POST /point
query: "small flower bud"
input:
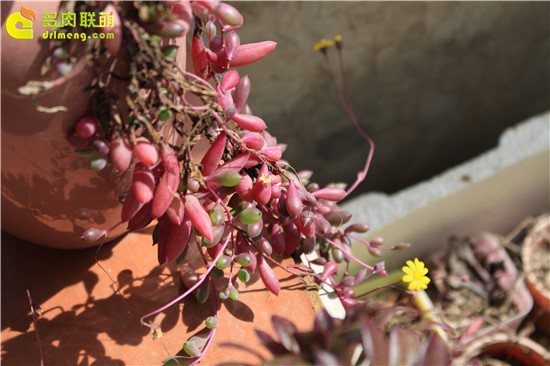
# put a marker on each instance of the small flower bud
(402, 246)
(376, 241)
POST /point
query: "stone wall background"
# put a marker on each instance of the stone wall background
(433, 83)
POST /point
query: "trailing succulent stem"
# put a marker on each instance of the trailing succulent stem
(239, 205)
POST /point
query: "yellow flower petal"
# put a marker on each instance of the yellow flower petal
(415, 273)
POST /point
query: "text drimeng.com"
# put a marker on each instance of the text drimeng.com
(82, 36)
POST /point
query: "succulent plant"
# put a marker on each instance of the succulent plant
(241, 207)
(356, 339)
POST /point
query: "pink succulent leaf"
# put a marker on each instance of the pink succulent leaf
(242, 90)
(230, 17)
(141, 219)
(232, 43)
(252, 52)
(198, 216)
(330, 269)
(93, 234)
(277, 239)
(307, 230)
(164, 194)
(229, 80)
(267, 275)
(211, 5)
(250, 123)
(294, 205)
(198, 56)
(292, 244)
(245, 188)
(272, 154)
(253, 141)
(86, 127)
(216, 44)
(165, 226)
(177, 240)
(235, 164)
(219, 58)
(170, 162)
(143, 183)
(176, 210)
(145, 152)
(330, 194)
(262, 187)
(182, 9)
(130, 207)
(121, 153)
(209, 30)
(212, 158)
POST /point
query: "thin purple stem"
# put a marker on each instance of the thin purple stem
(346, 103)
(390, 285)
(297, 274)
(333, 76)
(349, 254)
(181, 297)
(366, 242)
(218, 307)
(114, 226)
(343, 77)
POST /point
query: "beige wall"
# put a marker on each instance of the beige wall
(433, 83)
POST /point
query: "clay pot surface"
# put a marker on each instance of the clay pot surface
(91, 313)
(534, 250)
(521, 351)
(49, 193)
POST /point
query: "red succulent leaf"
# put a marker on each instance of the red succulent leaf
(330, 194)
(267, 275)
(177, 241)
(143, 183)
(199, 217)
(252, 52)
(130, 207)
(249, 122)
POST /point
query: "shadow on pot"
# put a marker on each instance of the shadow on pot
(82, 312)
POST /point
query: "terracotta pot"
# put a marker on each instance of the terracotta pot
(538, 237)
(91, 313)
(516, 350)
(49, 193)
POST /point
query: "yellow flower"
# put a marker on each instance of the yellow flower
(337, 38)
(322, 44)
(415, 273)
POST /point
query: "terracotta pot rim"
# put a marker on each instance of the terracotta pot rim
(504, 342)
(529, 243)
